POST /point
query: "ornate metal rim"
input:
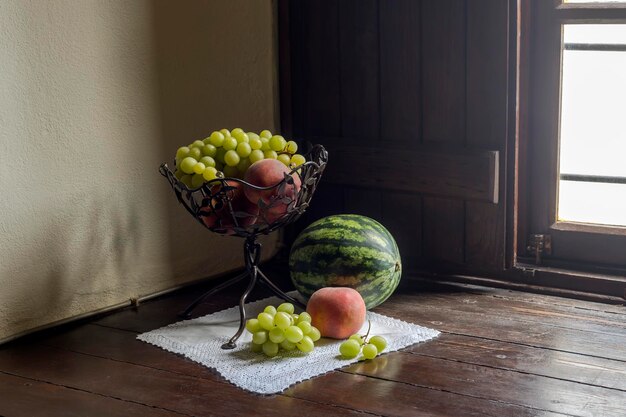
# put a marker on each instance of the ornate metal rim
(214, 199)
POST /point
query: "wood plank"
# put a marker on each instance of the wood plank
(315, 50)
(529, 391)
(360, 85)
(433, 170)
(400, 115)
(389, 398)
(443, 90)
(527, 359)
(402, 216)
(172, 391)
(487, 100)
(358, 68)
(23, 397)
(507, 329)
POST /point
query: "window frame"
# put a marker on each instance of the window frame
(580, 250)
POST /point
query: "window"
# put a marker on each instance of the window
(574, 187)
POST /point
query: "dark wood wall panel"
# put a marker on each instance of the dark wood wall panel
(487, 81)
(315, 93)
(360, 97)
(400, 76)
(315, 64)
(401, 114)
(443, 118)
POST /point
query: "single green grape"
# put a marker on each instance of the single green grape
(287, 345)
(286, 307)
(207, 140)
(199, 168)
(265, 144)
(277, 335)
(298, 159)
(270, 310)
(182, 152)
(244, 149)
(266, 321)
(265, 134)
(253, 326)
(295, 318)
(256, 348)
(379, 341)
(259, 337)
(197, 144)
(186, 179)
(241, 137)
(255, 143)
(231, 158)
(197, 180)
(305, 326)
(219, 155)
(270, 154)
(209, 150)
(349, 349)
(225, 133)
(314, 334)
(305, 345)
(243, 165)
(282, 320)
(291, 147)
(231, 172)
(304, 316)
(236, 131)
(256, 155)
(358, 338)
(230, 144)
(277, 143)
(179, 174)
(370, 351)
(270, 349)
(252, 135)
(217, 139)
(207, 161)
(284, 158)
(187, 165)
(294, 334)
(210, 173)
(195, 153)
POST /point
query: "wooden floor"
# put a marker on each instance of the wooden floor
(501, 353)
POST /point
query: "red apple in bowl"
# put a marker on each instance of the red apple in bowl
(337, 312)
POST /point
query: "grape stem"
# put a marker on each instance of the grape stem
(369, 327)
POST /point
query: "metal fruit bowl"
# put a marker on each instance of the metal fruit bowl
(214, 199)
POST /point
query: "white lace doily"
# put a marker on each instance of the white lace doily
(201, 339)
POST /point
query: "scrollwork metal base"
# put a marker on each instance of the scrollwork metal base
(252, 256)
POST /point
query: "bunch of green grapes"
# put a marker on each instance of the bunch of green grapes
(227, 153)
(370, 348)
(277, 328)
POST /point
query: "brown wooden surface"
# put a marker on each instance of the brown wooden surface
(501, 353)
(460, 173)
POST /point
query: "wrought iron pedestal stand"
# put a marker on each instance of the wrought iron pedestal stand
(252, 255)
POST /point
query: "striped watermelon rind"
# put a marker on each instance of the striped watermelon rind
(346, 250)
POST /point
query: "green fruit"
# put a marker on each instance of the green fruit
(346, 250)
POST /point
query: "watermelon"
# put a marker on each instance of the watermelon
(346, 250)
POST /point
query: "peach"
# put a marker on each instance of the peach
(238, 202)
(267, 173)
(337, 312)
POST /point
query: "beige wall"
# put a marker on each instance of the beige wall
(94, 95)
